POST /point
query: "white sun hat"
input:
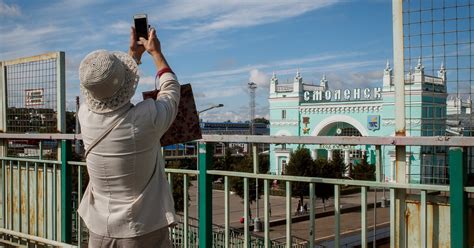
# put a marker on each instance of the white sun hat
(108, 80)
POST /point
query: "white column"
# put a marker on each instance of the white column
(347, 160)
(330, 154)
(314, 154)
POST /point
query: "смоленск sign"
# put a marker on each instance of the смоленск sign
(356, 94)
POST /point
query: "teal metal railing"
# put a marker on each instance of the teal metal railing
(38, 206)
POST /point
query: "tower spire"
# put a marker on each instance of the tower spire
(324, 82)
(388, 69)
(442, 72)
(387, 75)
(419, 66)
(273, 83)
(298, 82)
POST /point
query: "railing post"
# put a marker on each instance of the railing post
(3, 109)
(205, 156)
(66, 194)
(337, 216)
(458, 198)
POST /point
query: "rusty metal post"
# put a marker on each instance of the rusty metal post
(400, 151)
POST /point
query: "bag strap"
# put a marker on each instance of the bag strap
(107, 131)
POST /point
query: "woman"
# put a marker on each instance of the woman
(128, 202)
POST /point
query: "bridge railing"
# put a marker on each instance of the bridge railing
(38, 196)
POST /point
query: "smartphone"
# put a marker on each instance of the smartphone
(141, 26)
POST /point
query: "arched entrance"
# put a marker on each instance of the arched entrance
(341, 125)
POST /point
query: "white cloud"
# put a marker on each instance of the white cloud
(366, 77)
(120, 27)
(260, 78)
(213, 16)
(221, 116)
(222, 92)
(9, 10)
(65, 7)
(221, 78)
(20, 41)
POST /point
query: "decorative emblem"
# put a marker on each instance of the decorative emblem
(338, 131)
(306, 122)
(373, 122)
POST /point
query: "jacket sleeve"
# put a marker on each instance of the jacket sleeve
(166, 102)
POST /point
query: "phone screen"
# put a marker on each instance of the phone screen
(141, 28)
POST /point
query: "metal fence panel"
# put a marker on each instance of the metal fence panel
(33, 102)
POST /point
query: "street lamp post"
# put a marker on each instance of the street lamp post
(220, 105)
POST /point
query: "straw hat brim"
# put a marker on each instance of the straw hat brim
(123, 95)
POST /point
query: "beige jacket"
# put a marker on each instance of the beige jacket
(126, 196)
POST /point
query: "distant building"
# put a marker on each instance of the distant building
(235, 128)
(301, 109)
(460, 122)
(223, 128)
(229, 128)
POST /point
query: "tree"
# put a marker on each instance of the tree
(300, 164)
(227, 162)
(246, 165)
(178, 183)
(338, 165)
(325, 169)
(261, 120)
(364, 170)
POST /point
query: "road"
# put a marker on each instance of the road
(349, 222)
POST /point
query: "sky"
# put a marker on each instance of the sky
(217, 46)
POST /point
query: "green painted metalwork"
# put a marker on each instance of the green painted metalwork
(392, 218)
(226, 213)
(45, 202)
(344, 182)
(363, 217)
(205, 156)
(185, 211)
(266, 215)
(288, 212)
(31, 160)
(36, 201)
(378, 163)
(246, 212)
(48, 169)
(27, 165)
(170, 180)
(40, 150)
(469, 189)
(4, 201)
(22, 237)
(312, 227)
(18, 167)
(458, 198)
(61, 91)
(423, 219)
(54, 204)
(11, 195)
(66, 192)
(79, 198)
(337, 216)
